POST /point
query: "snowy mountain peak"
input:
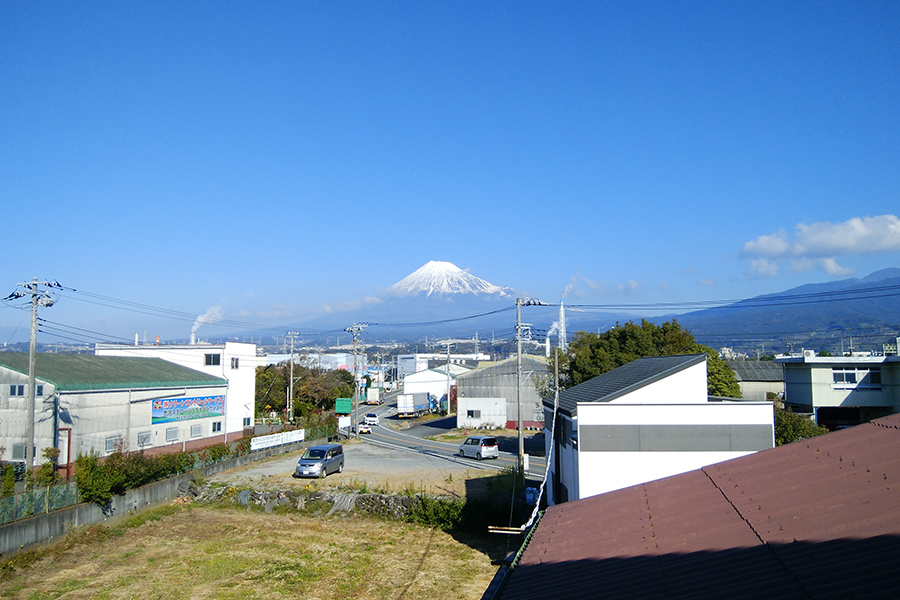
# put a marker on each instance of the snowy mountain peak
(441, 277)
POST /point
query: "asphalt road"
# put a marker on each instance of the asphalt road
(412, 437)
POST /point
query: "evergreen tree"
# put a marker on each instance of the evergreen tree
(592, 354)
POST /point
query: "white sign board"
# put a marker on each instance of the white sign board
(277, 439)
(343, 422)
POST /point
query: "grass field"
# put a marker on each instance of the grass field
(185, 551)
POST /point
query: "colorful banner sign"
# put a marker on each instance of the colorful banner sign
(185, 409)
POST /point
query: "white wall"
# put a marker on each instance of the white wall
(605, 471)
(493, 413)
(684, 387)
(430, 381)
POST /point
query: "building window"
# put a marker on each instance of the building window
(18, 452)
(113, 443)
(16, 390)
(849, 378)
(196, 431)
(213, 360)
(171, 434)
(247, 422)
(473, 414)
(217, 426)
(234, 362)
(145, 438)
(39, 391)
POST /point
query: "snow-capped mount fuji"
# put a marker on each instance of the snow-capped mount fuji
(444, 278)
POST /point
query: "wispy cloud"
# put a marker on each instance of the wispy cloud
(818, 245)
(578, 283)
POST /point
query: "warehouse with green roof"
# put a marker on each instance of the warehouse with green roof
(87, 403)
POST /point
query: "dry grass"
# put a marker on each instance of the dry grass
(208, 552)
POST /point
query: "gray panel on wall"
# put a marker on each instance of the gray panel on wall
(675, 438)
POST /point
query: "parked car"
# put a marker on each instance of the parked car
(371, 419)
(480, 446)
(319, 461)
(363, 428)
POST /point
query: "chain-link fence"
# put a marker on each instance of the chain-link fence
(37, 502)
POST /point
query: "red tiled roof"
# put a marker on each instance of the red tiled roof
(813, 519)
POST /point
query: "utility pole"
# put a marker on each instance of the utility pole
(448, 376)
(355, 330)
(290, 394)
(42, 298)
(519, 304)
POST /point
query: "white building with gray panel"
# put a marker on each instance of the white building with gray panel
(646, 420)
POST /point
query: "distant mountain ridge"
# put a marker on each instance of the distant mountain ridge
(815, 316)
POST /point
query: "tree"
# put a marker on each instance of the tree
(791, 427)
(592, 354)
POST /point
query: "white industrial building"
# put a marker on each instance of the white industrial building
(87, 403)
(649, 419)
(433, 381)
(235, 362)
(407, 364)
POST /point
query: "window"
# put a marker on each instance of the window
(16, 390)
(247, 422)
(196, 431)
(217, 426)
(473, 414)
(145, 438)
(113, 443)
(212, 360)
(234, 362)
(849, 378)
(39, 391)
(18, 452)
(172, 434)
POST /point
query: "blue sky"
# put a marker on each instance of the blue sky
(269, 159)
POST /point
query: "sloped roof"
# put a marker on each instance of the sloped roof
(508, 366)
(81, 372)
(756, 370)
(818, 518)
(624, 380)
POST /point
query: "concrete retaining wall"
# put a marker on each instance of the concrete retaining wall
(48, 527)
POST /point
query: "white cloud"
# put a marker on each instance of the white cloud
(707, 282)
(761, 267)
(817, 245)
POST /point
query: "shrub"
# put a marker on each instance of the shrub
(441, 513)
(9, 482)
(791, 427)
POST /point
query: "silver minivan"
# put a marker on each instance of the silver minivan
(319, 461)
(480, 446)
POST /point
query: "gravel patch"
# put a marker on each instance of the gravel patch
(366, 465)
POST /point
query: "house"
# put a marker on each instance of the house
(758, 378)
(815, 519)
(235, 362)
(86, 403)
(649, 419)
(841, 390)
(498, 380)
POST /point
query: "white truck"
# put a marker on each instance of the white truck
(373, 396)
(413, 405)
